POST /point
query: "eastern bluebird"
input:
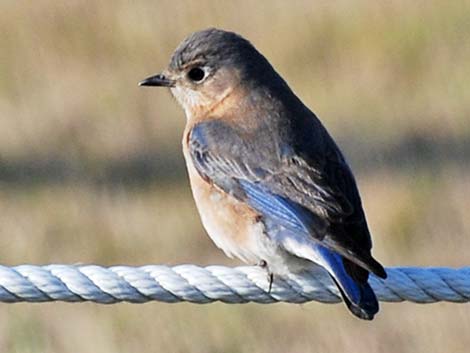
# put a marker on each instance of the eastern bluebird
(270, 184)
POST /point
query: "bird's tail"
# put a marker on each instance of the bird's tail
(354, 288)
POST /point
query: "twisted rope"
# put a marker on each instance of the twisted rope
(76, 283)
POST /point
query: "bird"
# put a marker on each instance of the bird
(270, 184)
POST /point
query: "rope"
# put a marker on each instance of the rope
(77, 283)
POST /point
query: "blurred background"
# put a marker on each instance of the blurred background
(91, 169)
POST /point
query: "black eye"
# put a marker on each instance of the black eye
(196, 74)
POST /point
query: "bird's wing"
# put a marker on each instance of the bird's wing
(295, 189)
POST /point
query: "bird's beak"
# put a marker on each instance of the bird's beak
(159, 80)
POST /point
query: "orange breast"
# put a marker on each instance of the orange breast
(231, 224)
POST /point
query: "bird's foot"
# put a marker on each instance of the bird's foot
(264, 264)
(270, 280)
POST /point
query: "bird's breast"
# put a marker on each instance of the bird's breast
(232, 225)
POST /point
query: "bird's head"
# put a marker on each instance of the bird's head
(207, 66)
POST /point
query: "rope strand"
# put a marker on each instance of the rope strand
(77, 283)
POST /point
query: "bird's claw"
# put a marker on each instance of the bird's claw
(270, 280)
(264, 264)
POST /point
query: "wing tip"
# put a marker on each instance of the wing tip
(377, 269)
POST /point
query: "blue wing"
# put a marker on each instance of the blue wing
(228, 158)
(296, 205)
(279, 212)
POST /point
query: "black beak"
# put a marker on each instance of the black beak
(158, 80)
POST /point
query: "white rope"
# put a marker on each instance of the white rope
(75, 283)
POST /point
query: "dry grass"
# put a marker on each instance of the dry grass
(90, 168)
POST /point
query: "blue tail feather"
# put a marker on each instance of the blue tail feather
(359, 297)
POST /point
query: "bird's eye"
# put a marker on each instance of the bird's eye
(196, 74)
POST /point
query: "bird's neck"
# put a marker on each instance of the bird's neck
(229, 105)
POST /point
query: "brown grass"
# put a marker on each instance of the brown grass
(91, 169)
